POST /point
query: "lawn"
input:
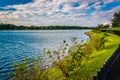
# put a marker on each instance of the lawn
(91, 66)
(98, 58)
(116, 28)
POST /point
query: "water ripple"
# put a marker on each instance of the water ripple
(16, 45)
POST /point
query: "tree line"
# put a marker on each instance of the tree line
(21, 27)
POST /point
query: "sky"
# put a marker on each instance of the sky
(58, 12)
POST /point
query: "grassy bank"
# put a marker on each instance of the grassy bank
(98, 58)
(84, 68)
(91, 66)
(116, 28)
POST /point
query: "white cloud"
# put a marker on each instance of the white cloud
(107, 1)
(110, 1)
(57, 12)
(106, 15)
(97, 5)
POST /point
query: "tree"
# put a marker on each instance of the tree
(116, 20)
(100, 26)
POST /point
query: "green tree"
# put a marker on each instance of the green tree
(116, 20)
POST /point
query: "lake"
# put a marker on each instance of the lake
(17, 44)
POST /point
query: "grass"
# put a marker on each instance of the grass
(116, 28)
(98, 58)
(53, 74)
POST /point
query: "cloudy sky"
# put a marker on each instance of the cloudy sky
(58, 12)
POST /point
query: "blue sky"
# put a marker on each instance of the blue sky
(58, 12)
(4, 3)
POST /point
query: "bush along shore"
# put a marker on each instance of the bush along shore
(79, 61)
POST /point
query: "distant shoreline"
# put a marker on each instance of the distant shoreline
(40, 29)
(22, 27)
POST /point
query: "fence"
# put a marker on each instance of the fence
(111, 69)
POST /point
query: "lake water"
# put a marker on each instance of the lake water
(16, 45)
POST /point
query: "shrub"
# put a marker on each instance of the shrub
(25, 72)
(58, 58)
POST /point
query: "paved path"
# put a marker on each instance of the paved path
(116, 32)
(113, 31)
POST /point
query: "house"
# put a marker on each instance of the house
(107, 25)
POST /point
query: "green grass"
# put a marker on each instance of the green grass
(116, 28)
(53, 74)
(98, 58)
(89, 67)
